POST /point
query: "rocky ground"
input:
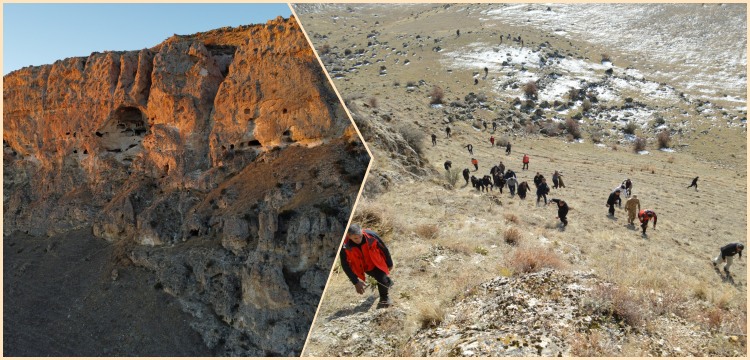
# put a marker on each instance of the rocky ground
(651, 295)
(220, 168)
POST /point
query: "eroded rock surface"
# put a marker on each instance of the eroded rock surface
(222, 161)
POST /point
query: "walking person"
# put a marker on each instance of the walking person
(562, 210)
(613, 198)
(507, 148)
(447, 165)
(630, 207)
(525, 162)
(434, 139)
(542, 191)
(727, 253)
(494, 126)
(694, 183)
(556, 180)
(466, 175)
(511, 181)
(523, 188)
(470, 148)
(644, 216)
(475, 162)
(492, 141)
(365, 253)
(447, 131)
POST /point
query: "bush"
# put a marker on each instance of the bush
(427, 231)
(511, 218)
(325, 49)
(512, 236)
(551, 129)
(663, 139)
(639, 144)
(436, 95)
(586, 105)
(373, 102)
(531, 129)
(533, 259)
(573, 128)
(605, 57)
(630, 128)
(597, 136)
(531, 90)
(370, 217)
(430, 315)
(573, 94)
(413, 138)
(452, 178)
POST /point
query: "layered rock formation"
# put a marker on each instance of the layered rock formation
(223, 161)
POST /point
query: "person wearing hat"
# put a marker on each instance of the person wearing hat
(614, 197)
(630, 207)
(727, 253)
(365, 253)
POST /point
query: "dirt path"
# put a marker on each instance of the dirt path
(60, 299)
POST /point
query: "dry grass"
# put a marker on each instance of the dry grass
(436, 95)
(529, 260)
(663, 139)
(511, 218)
(573, 128)
(430, 315)
(512, 236)
(531, 90)
(427, 231)
(371, 216)
(639, 144)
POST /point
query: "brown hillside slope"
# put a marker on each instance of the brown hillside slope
(653, 295)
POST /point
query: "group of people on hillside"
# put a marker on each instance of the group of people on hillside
(365, 253)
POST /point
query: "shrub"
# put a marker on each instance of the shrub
(452, 178)
(573, 94)
(597, 136)
(573, 128)
(430, 315)
(639, 144)
(511, 218)
(663, 139)
(371, 217)
(436, 95)
(630, 128)
(531, 260)
(531, 90)
(347, 52)
(325, 49)
(617, 303)
(714, 318)
(586, 105)
(531, 129)
(427, 231)
(605, 57)
(413, 138)
(512, 236)
(481, 251)
(373, 102)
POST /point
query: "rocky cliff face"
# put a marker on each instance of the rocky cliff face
(222, 161)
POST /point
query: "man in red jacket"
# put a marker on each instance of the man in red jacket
(365, 253)
(525, 162)
(644, 216)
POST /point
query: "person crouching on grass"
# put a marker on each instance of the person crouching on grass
(365, 253)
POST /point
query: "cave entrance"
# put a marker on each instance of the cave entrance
(123, 132)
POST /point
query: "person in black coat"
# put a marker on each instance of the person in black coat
(541, 191)
(522, 189)
(614, 197)
(507, 148)
(447, 165)
(466, 175)
(727, 253)
(694, 183)
(562, 210)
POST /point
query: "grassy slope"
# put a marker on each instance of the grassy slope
(468, 248)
